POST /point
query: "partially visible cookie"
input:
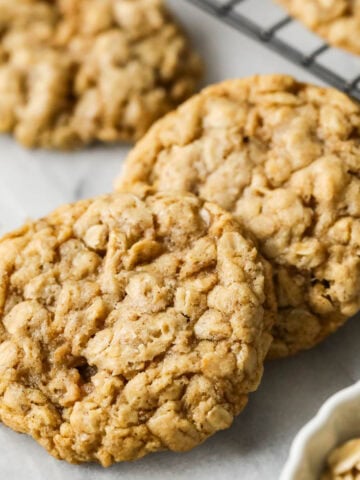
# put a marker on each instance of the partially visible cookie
(77, 71)
(129, 326)
(284, 157)
(337, 21)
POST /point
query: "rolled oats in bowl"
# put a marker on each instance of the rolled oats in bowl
(343, 463)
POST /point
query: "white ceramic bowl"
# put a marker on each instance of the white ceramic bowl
(337, 421)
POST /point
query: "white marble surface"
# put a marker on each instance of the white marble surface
(33, 183)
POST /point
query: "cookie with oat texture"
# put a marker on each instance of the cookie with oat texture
(284, 158)
(337, 21)
(73, 72)
(130, 325)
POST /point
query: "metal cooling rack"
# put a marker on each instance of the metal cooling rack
(267, 23)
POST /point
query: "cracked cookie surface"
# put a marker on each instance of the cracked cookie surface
(337, 21)
(73, 72)
(129, 326)
(284, 158)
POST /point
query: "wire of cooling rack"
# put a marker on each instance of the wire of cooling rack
(228, 12)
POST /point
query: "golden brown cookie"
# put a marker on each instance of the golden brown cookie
(73, 72)
(337, 21)
(284, 157)
(129, 326)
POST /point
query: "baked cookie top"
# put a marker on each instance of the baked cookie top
(284, 157)
(77, 71)
(337, 21)
(129, 326)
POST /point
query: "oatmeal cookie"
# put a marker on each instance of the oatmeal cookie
(129, 326)
(73, 72)
(284, 157)
(337, 21)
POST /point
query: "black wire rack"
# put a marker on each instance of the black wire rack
(336, 67)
